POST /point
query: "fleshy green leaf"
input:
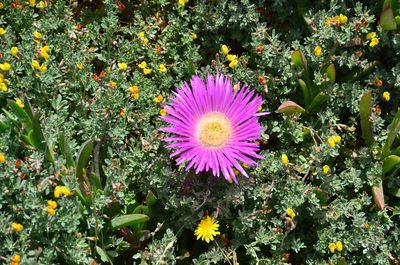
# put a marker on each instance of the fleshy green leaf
(298, 59)
(306, 92)
(331, 73)
(103, 255)
(318, 101)
(390, 163)
(128, 219)
(387, 21)
(366, 123)
(393, 131)
(290, 107)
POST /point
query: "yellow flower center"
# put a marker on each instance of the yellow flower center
(214, 130)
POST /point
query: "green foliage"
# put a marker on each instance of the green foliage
(92, 126)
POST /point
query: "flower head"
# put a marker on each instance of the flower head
(224, 49)
(386, 96)
(318, 50)
(332, 247)
(374, 42)
(5, 66)
(37, 35)
(163, 69)
(233, 63)
(17, 227)
(14, 51)
(15, 260)
(19, 103)
(122, 66)
(2, 158)
(159, 99)
(290, 212)
(284, 159)
(2, 31)
(214, 128)
(339, 246)
(207, 229)
(326, 169)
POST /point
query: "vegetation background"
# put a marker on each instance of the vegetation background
(85, 177)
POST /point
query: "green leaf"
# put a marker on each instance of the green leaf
(298, 59)
(83, 158)
(191, 67)
(390, 163)
(151, 199)
(66, 150)
(37, 134)
(366, 123)
(322, 196)
(377, 194)
(331, 73)
(318, 101)
(387, 21)
(341, 261)
(144, 209)
(3, 126)
(393, 131)
(103, 255)
(20, 113)
(306, 92)
(128, 219)
(290, 107)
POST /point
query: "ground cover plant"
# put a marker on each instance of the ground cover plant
(199, 132)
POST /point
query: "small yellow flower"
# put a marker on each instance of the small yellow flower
(386, 96)
(163, 69)
(35, 64)
(61, 190)
(133, 89)
(79, 66)
(52, 204)
(328, 22)
(1, 5)
(337, 138)
(326, 169)
(231, 57)
(14, 51)
(339, 246)
(163, 112)
(142, 65)
(332, 247)
(17, 227)
(374, 42)
(19, 103)
(194, 36)
(2, 158)
(5, 66)
(43, 68)
(233, 63)
(224, 49)
(44, 55)
(3, 87)
(331, 142)
(113, 84)
(135, 95)
(37, 35)
(146, 71)
(182, 2)
(42, 4)
(15, 260)
(366, 226)
(159, 99)
(51, 211)
(284, 159)
(122, 112)
(318, 50)
(2, 31)
(207, 229)
(290, 212)
(32, 3)
(122, 66)
(141, 34)
(343, 19)
(371, 35)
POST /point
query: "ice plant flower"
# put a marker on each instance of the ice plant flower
(17, 227)
(207, 229)
(212, 127)
(386, 96)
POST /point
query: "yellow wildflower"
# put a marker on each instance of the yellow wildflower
(44, 54)
(37, 35)
(17, 227)
(343, 19)
(233, 63)
(182, 2)
(194, 36)
(326, 169)
(19, 103)
(2, 31)
(318, 50)
(337, 138)
(366, 226)
(163, 112)
(386, 96)
(32, 3)
(2, 158)
(142, 65)
(163, 69)
(122, 66)
(122, 112)
(61, 190)
(284, 159)
(141, 34)
(5, 66)
(14, 51)
(331, 142)
(371, 35)
(35, 64)
(42, 4)
(374, 42)
(207, 229)
(224, 49)
(15, 260)
(332, 247)
(79, 66)
(133, 89)
(1, 5)
(231, 57)
(51, 211)
(135, 95)
(290, 212)
(3, 87)
(146, 71)
(43, 68)
(339, 246)
(159, 99)
(52, 204)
